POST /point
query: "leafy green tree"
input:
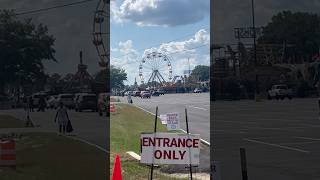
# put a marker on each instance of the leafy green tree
(201, 73)
(299, 29)
(24, 46)
(117, 77)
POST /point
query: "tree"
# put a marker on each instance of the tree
(117, 76)
(299, 29)
(24, 46)
(201, 73)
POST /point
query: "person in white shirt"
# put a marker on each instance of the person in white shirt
(62, 118)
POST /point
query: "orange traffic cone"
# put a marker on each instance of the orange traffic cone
(117, 173)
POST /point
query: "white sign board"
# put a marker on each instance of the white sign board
(173, 122)
(163, 118)
(170, 148)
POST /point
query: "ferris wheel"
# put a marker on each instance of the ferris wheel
(155, 66)
(101, 31)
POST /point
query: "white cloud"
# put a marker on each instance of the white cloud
(160, 12)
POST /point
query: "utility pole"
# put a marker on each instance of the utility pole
(255, 52)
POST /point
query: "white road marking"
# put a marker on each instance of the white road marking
(314, 139)
(277, 145)
(199, 108)
(298, 143)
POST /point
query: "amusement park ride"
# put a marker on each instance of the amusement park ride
(157, 66)
(101, 32)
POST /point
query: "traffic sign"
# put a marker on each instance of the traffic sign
(173, 122)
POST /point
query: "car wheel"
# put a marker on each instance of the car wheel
(80, 110)
(282, 97)
(277, 97)
(289, 97)
(269, 97)
(100, 113)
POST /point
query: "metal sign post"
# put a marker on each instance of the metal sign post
(155, 130)
(243, 164)
(187, 126)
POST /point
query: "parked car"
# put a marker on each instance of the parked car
(280, 91)
(136, 93)
(52, 100)
(197, 90)
(155, 93)
(128, 93)
(66, 99)
(103, 103)
(161, 91)
(145, 94)
(86, 102)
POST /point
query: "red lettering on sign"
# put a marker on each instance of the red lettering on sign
(157, 154)
(196, 143)
(189, 143)
(166, 142)
(182, 153)
(166, 154)
(173, 142)
(181, 143)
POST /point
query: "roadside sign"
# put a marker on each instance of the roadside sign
(163, 118)
(173, 122)
(170, 148)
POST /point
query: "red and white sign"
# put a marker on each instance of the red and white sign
(8, 153)
(173, 122)
(170, 148)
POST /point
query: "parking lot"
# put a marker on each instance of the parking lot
(281, 138)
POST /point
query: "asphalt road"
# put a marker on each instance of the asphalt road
(88, 126)
(281, 138)
(198, 107)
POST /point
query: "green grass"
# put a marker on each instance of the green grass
(52, 157)
(126, 125)
(7, 121)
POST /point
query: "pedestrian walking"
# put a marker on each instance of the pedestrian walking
(31, 107)
(129, 99)
(62, 118)
(42, 104)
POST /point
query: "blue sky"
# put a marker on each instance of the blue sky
(138, 25)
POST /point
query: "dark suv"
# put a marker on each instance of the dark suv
(87, 102)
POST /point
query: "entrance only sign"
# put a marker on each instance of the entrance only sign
(173, 122)
(170, 148)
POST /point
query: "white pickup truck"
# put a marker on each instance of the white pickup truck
(280, 91)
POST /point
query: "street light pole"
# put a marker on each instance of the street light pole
(255, 51)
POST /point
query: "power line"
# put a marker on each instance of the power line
(53, 7)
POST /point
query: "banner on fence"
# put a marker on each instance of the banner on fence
(170, 148)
